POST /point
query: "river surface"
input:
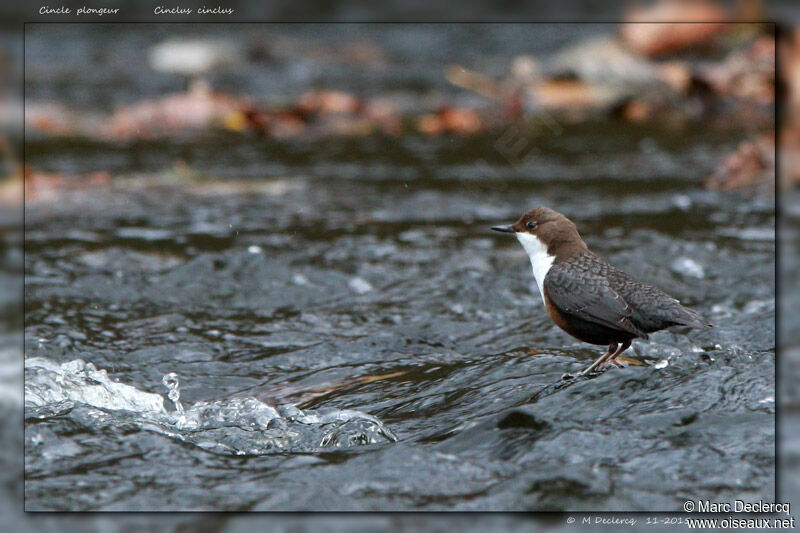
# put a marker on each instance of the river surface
(236, 323)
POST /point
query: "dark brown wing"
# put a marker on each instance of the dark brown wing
(653, 309)
(578, 291)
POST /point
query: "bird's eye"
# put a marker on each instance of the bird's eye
(531, 225)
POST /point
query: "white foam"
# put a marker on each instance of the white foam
(230, 426)
(360, 285)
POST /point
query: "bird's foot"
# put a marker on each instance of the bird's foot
(569, 376)
(621, 361)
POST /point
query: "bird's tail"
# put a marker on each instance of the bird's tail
(690, 317)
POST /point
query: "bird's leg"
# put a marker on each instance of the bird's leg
(602, 359)
(612, 351)
(613, 359)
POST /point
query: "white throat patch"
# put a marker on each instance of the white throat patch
(540, 261)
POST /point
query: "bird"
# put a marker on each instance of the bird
(587, 297)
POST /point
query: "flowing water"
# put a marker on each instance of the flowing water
(330, 324)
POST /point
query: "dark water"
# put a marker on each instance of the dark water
(344, 275)
(303, 286)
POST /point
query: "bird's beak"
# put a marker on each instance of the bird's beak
(504, 229)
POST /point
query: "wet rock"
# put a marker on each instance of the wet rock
(11, 194)
(790, 155)
(52, 119)
(450, 120)
(360, 285)
(789, 72)
(522, 419)
(328, 102)
(688, 267)
(199, 108)
(570, 95)
(751, 168)
(191, 56)
(604, 61)
(661, 29)
(48, 187)
(746, 74)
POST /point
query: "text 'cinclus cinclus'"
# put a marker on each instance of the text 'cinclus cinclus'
(585, 296)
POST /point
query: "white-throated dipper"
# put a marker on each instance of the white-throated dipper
(585, 296)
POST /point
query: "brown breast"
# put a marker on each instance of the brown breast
(557, 316)
(582, 329)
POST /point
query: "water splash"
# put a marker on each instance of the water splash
(173, 385)
(231, 426)
(48, 382)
